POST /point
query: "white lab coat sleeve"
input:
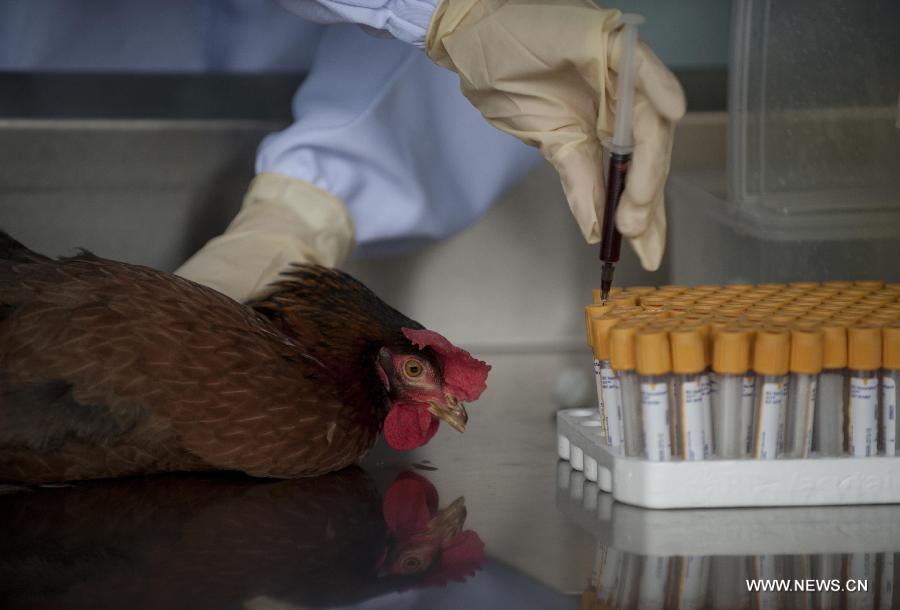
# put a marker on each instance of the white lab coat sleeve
(389, 133)
(405, 20)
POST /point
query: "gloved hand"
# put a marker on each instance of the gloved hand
(283, 220)
(544, 71)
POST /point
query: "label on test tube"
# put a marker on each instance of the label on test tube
(709, 388)
(782, 416)
(655, 414)
(600, 404)
(692, 419)
(808, 414)
(770, 404)
(748, 393)
(889, 414)
(863, 416)
(612, 402)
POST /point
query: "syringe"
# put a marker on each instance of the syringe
(619, 151)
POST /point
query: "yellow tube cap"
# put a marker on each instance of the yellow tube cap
(771, 351)
(705, 289)
(864, 348)
(688, 350)
(891, 346)
(624, 299)
(672, 289)
(737, 287)
(834, 345)
(804, 285)
(639, 290)
(806, 350)
(594, 311)
(731, 355)
(621, 347)
(600, 328)
(770, 287)
(869, 284)
(652, 350)
(841, 284)
(597, 294)
(653, 301)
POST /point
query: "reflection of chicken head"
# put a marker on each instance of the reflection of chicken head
(425, 540)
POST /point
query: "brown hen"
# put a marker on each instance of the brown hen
(110, 369)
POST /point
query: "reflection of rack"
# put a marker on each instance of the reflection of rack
(702, 558)
(726, 531)
(724, 483)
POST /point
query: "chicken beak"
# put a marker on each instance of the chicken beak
(451, 411)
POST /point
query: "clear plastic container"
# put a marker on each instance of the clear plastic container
(811, 186)
(812, 112)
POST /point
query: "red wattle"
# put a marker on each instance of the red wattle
(408, 426)
(409, 504)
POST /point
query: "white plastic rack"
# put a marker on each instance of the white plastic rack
(723, 483)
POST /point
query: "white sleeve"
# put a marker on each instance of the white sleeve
(389, 133)
(405, 20)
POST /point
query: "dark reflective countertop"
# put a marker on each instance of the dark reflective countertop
(488, 519)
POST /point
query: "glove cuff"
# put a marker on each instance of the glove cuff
(282, 221)
(313, 216)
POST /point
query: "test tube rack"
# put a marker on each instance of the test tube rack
(720, 482)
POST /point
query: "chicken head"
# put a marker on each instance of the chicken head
(427, 383)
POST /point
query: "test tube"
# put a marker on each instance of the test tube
(829, 418)
(861, 567)
(733, 411)
(622, 359)
(654, 365)
(688, 365)
(827, 567)
(805, 366)
(606, 573)
(692, 574)
(864, 361)
(770, 363)
(654, 581)
(627, 590)
(886, 590)
(890, 375)
(710, 384)
(608, 390)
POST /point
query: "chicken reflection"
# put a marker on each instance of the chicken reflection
(192, 541)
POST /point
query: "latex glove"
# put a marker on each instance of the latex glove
(283, 220)
(544, 71)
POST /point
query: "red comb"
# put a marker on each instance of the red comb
(464, 376)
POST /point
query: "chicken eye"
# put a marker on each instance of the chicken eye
(412, 368)
(410, 564)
